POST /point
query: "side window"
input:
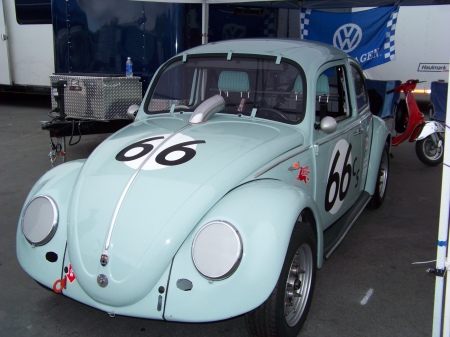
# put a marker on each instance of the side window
(332, 94)
(29, 12)
(362, 98)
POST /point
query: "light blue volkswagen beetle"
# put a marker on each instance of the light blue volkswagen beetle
(246, 165)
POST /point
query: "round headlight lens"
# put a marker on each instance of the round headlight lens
(217, 250)
(40, 220)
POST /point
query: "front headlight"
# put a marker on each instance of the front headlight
(40, 220)
(217, 250)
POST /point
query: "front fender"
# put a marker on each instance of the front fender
(429, 128)
(264, 212)
(380, 135)
(35, 261)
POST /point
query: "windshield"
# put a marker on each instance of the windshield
(250, 86)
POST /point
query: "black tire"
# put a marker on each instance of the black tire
(277, 315)
(428, 152)
(382, 180)
(401, 117)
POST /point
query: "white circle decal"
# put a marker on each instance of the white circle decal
(160, 151)
(339, 176)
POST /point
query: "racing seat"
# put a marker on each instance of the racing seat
(298, 87)
(234, 81)
(234, 84)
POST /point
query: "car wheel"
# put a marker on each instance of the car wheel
(285, 311)
(382, 180)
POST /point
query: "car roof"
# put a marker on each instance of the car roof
(303, 52)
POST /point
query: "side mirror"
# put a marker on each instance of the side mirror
(328, 125)
(132, 111)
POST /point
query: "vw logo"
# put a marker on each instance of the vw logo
(347, 37)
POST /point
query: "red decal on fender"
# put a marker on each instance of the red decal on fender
(70, 275)
(303, 174)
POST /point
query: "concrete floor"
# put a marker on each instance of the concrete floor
(375, 258)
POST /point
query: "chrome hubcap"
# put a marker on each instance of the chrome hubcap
(298, 285)
(384, 169)
(432, 149)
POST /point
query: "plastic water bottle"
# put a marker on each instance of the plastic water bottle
(129, 68)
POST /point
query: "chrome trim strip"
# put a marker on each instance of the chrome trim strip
(130, 182)
(281, 161)
(347, 129)
(337, 135)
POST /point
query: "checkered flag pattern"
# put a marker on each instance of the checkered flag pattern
(389, 44)
(270, 25)
(304, 22)
(368, 35)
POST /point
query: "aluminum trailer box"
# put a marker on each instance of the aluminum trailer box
(101, 97)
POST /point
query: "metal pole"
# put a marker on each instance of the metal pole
(445, 190)
(205, 21)
(63, 149)
(442, 249)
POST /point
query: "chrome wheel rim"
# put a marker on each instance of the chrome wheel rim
(384, 171)
(430, 149)
(298, 284)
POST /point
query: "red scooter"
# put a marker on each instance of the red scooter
(410, 124)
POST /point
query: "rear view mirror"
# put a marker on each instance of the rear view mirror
(328, 125)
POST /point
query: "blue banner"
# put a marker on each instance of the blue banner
(368, 36)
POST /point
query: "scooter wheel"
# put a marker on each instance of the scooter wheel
(430, 150)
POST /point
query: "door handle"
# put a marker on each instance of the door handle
(358, 131)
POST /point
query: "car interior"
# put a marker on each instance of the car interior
(250, 87)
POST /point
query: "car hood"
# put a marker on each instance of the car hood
(143, 190)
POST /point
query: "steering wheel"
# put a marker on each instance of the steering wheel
(271, 112)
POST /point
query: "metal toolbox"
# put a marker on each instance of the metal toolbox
(103, 97)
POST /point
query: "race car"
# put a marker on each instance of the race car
(246, 164)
